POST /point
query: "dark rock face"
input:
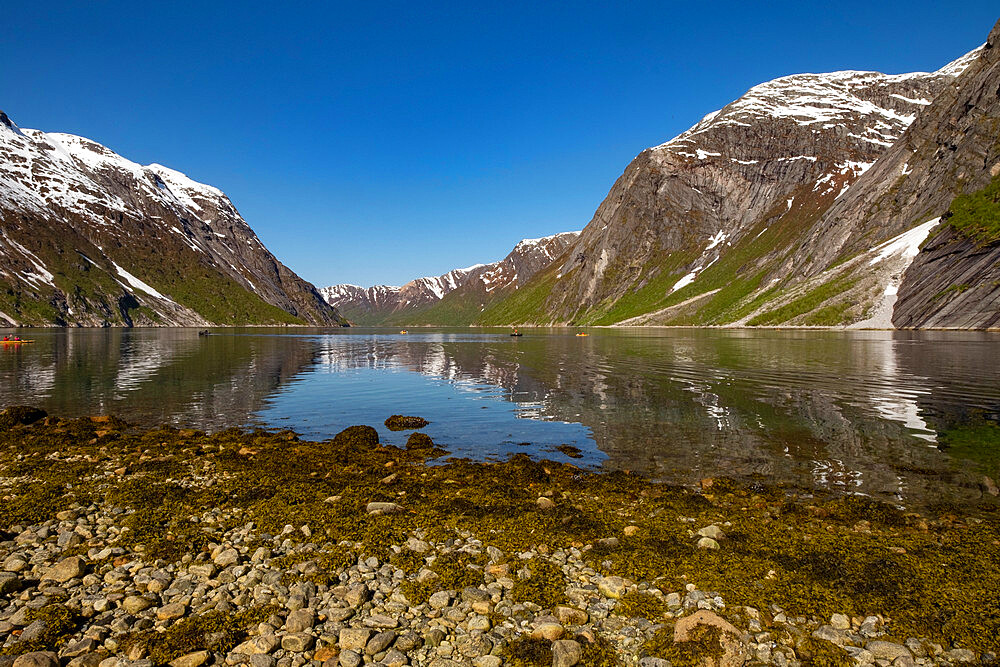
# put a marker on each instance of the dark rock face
(953, 283)
(465, 290)
(90, 238)
(952, 147)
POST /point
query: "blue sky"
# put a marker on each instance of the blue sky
(379, 142)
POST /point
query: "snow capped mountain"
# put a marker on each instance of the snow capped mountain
(483, 281)
(90, 237)
(711, 213)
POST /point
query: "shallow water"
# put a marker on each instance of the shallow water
(903, 416)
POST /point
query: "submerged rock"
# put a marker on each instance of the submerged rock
(403, 423)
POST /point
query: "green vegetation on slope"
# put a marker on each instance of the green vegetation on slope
(650, 297)
(741, 269)
(808, 302)
(977, 215)
(525, 305)
(213, 295)
(458, 308)
(90, 288)
(738, 273)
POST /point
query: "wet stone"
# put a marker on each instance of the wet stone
(440, 600)
(297, 642)
(395, 658)
(300, 620)
(883, 650)
(171, 611)
(135, 604)
(37, 659)
(381, 621)
(566, 653)
(712, 531)
(380, 508)
(195, 659)
(227, 557)
(707, 543)
(612, 587)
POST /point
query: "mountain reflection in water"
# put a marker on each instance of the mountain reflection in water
(900, 415)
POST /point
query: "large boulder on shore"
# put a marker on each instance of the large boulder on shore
(20, 414)
(732, 642)
(360, 437)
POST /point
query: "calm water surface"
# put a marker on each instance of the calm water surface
(903, 416)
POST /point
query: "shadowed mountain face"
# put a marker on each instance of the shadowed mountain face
(90, 238)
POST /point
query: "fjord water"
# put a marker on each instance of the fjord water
(905, 416)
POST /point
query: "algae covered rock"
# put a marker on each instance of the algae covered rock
(721, 644)
(403, 422)
(362, 437)
(20, 415)
(419, 441)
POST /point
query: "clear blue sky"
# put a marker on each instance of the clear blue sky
(375, 142)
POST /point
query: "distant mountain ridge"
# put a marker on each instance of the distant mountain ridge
(450, 298)
(90, 238)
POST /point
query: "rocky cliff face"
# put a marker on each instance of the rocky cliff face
(890, 253)
(455, 298)
(90, 238)
(709, 227)
(955, 148)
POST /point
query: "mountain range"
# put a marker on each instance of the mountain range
(854, 199)
(89, 238)
(457, 297)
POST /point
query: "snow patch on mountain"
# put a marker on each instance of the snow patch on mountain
(821, 100)
(906, 244)
(66, 181)
(136, 283)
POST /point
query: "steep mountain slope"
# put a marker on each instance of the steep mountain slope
(90, 238)
(696, 229)
(455, 298)
(953, 149)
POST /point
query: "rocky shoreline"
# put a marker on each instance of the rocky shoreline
(125, 546)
